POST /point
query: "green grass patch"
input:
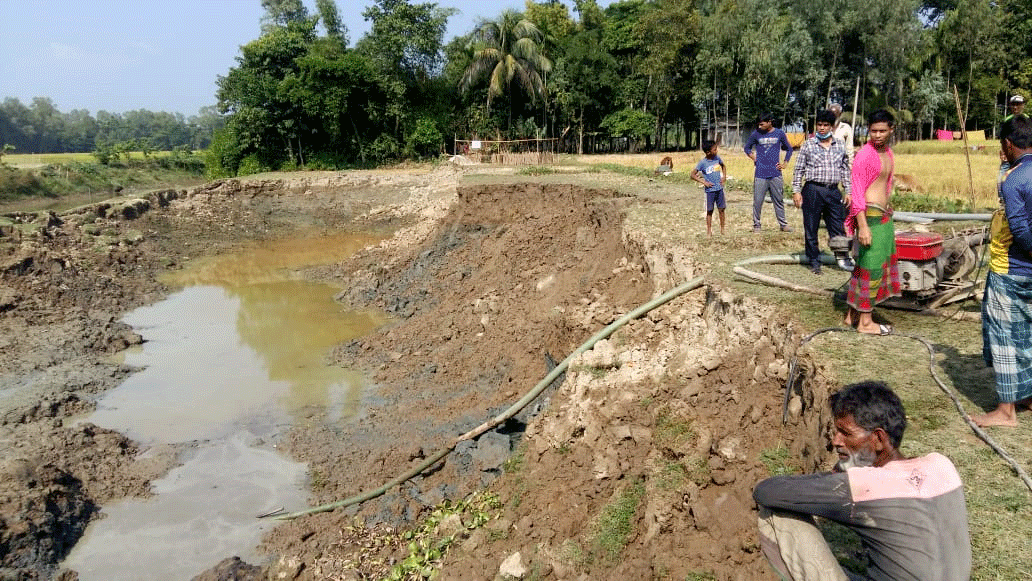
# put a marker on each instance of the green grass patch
(615, 524)
(670, 430)
(976, 146)
(78, 175)
(777, 461)
(628, 170)
(516, 460)
(536, 170)
(672, 476)
(697, 470)
(845, 545)
(915, 202)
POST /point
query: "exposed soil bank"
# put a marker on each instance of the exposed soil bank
(680, 410)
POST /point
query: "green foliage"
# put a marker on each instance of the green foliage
(16, 184)
(916, 202)
(508, 51)
(425, 140)
(845, 545)
(251, 165)
(384, 149)
(56, 180)
(649, 71)
(634, 124)
(427, 548)
(222, 158)
(515, 462)
(105, 153)
(7, 148)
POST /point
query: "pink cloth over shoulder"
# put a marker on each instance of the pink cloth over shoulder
(866, 168)
(923, 477)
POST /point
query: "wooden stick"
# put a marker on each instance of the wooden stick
(967, 151)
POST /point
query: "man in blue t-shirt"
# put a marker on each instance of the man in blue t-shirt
(764, 147)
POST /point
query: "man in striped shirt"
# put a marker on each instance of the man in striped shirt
(822, 164)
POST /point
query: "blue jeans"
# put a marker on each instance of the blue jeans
(821, 202)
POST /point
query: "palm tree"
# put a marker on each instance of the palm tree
(507, 49)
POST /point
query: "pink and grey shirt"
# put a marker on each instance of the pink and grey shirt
(910, 514)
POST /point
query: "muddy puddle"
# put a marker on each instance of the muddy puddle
(229, 363)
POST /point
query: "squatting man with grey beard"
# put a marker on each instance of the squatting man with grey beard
(910, 513)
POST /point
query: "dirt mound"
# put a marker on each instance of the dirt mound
(656, 441)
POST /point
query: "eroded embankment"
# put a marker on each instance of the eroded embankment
(680, 411)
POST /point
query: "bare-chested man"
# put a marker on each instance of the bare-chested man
(876, 276)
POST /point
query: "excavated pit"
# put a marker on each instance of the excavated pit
(484, 284)
(685, 403)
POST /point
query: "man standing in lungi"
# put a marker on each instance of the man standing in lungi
(1006, 312)
(876, 275)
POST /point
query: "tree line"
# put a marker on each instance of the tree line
(633, 75)
(41, 128)
(638, 74)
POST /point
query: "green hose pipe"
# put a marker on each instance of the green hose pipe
(514, 409)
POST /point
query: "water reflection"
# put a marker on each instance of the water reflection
(229, 361)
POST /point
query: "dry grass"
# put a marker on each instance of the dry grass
(933, 168)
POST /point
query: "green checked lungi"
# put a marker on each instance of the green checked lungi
(1007, 334)
(876, 275)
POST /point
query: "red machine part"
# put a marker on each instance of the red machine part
(918, 245)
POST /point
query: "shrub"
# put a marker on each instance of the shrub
(383, 149)
(222, 158)
(251, 165)
(425, 140)
(16, 184)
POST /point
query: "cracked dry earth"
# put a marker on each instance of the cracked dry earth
(675, 417)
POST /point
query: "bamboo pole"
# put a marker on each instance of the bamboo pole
(967, 150)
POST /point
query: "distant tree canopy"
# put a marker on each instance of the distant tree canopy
(41, 128)
(637, 74)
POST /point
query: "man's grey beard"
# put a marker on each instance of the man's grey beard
(858, 459)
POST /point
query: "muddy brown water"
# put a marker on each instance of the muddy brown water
(229, 362)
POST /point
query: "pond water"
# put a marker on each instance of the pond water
(229, 363)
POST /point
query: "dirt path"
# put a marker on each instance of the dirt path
(486, 278)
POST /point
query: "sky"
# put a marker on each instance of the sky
(123, 55)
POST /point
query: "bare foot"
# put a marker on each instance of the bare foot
(874, 330)
(996, 418)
